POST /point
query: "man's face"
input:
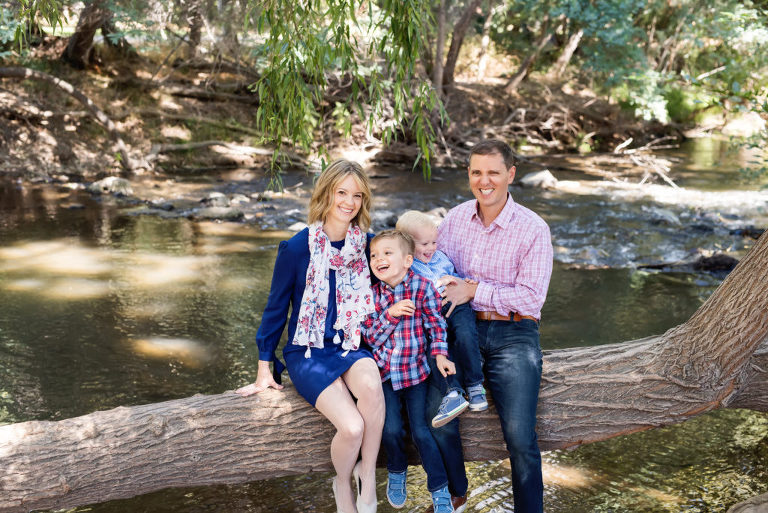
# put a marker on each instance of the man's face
(488, 179)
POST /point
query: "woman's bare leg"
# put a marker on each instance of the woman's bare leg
(364, 381)
(337, 405)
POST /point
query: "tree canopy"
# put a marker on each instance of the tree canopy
(319, 66)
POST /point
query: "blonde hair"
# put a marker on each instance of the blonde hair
(325, 188)
(405, 240)
(412, 220)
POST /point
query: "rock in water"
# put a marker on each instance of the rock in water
(543, 179)
(715, 263)
(111, 185)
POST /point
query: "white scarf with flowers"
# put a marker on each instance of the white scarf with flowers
(354, 297)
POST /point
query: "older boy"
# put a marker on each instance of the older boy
(407, 310)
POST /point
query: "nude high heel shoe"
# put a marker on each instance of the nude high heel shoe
(361, 506)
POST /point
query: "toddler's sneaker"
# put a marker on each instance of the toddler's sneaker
(477, 400)
(451, 407)
(396, 494)
(441, 501)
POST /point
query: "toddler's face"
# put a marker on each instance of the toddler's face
(425, 239)
(389, 262)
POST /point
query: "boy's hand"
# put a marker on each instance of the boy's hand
(445, 366)
(402, 307)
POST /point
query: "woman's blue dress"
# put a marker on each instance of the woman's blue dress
(312, 375)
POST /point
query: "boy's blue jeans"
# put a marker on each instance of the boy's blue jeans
(511, 358)
(463, 349)
(415, 399)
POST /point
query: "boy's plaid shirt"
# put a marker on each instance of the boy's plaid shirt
(400, 343)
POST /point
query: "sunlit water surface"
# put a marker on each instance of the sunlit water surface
(101, 309)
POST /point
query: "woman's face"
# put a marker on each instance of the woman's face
(347, 199)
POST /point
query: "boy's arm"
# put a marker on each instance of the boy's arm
(378, 326)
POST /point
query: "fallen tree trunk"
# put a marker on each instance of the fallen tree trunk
(718, 358)
(757, 504)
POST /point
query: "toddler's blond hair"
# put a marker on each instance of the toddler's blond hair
(413, 220)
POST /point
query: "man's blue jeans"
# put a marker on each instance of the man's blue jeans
(415, 398)
(512, 364)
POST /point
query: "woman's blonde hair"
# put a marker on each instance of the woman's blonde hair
(325, 188)
(413, 220)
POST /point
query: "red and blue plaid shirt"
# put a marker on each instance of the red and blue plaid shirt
(400, 343)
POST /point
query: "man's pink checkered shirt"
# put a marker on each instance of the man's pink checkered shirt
(511, 259)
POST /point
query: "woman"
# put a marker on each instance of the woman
(322, 272)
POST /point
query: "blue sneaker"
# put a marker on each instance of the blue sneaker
(441, 500)
(396, 494)
(477, 401)
(450, 408)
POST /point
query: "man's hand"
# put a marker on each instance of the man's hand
(457, 292)
(403, 307)
(445, 366)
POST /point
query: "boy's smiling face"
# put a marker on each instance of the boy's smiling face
(425, 240)
(389, 261)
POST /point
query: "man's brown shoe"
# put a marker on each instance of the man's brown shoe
(459, 505)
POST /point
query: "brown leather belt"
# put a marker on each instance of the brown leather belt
(493, 316)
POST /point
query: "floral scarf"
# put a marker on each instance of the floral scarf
(354, 298)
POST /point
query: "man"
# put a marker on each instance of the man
(507, 249)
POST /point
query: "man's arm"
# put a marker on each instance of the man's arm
(526, 296)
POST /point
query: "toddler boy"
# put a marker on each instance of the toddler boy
(434, 265)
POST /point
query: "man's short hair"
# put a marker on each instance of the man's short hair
(494, 147)
(405, 240)
(413, 220)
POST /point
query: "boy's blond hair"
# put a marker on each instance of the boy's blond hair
(405, 240)
(412, 220)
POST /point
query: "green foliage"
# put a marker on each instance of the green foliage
(306, 43)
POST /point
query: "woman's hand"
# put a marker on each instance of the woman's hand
(264, 380)
(403, 307)
(445, 366)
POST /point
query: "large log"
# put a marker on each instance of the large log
(719, 358)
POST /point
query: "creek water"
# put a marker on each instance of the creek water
(101, 308)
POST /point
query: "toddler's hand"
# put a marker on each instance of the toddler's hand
(403, 307)
(445, 366)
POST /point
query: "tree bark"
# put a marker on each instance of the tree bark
(718, 358)
(437, 71)
(195, 22)
(457, 39)
(121, 46)
(78, 50)
(757, 504)
(101, 117)
(482, 58)
(522, 71)
(565, 57)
